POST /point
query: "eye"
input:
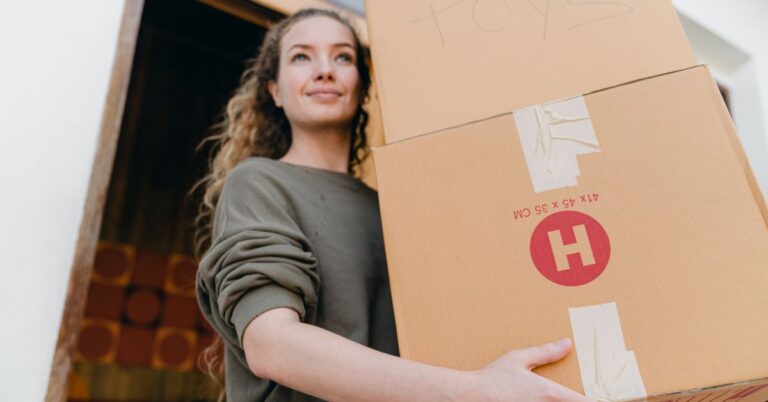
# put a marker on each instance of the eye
(299, 57)
(345, 57)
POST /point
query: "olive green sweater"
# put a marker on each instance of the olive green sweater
(297, 237)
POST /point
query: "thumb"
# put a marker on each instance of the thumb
(543, 354)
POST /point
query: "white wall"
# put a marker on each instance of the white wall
(730, 36)
(55, 63)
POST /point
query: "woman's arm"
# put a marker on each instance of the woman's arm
(318, 362)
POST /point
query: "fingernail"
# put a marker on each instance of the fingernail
(565, 342)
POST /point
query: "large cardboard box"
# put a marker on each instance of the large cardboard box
(673, 241)
(606, 198)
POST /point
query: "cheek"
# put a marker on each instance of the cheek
(290, 82)
(351, 80)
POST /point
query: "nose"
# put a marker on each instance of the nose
(324, 69)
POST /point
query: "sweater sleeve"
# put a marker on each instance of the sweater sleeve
(259, 258)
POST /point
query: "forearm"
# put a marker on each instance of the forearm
(320, 363)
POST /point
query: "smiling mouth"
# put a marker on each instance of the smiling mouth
(324, 93)
(324, 96)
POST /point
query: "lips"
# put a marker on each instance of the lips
(324, 93)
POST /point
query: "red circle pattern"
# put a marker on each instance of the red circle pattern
(95, 341)
(174, 349)
(142, 306)
(577, 273)
(110, 263)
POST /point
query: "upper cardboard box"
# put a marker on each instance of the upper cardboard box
(443, 63)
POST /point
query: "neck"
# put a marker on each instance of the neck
(326, 148)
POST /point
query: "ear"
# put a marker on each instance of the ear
(272, 88)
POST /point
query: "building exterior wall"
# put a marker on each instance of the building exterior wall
(729, 37)
(55, 64)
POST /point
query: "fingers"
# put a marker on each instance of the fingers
(566, 395)
(543, 354)
(549, 353)
(560, 393)
(510, 378)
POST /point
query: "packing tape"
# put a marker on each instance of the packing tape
(609, 372)
(551, 135)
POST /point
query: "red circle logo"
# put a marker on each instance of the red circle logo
(570, 248)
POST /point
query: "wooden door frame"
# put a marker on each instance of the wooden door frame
(285, 7)
(101, 169)
(90, 225)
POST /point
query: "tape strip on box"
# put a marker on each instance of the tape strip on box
(609, 372)
(551, 135)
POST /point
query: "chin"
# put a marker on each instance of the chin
(330, 119)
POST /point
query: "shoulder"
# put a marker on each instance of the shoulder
(364, 189)
(258, 174)
(256, 192)
(370, 194)
(256, 181)
(255, 168)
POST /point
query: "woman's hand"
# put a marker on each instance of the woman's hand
(509, 378)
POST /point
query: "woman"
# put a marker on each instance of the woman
(295, 278)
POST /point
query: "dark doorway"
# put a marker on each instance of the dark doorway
(142, 332)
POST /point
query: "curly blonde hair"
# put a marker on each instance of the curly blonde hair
(252, 125)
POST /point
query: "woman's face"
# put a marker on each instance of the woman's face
(318, 83)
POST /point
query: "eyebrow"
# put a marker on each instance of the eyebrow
(304, 46)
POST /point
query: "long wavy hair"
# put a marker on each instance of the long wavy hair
(252, 125)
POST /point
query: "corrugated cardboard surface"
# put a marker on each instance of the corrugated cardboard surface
(443, 63)
(752, 391)
(688, 241)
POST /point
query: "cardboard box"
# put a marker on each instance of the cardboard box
(563, 168)
(675, 228)
(672, 245)
(443, 63)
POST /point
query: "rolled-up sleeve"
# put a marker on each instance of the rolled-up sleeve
(259, 258)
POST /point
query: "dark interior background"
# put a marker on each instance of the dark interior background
(188, 61)
(142, 331)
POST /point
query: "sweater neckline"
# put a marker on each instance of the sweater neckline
(331, 174)
(314, 169)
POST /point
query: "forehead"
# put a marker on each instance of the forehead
(317, 31)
